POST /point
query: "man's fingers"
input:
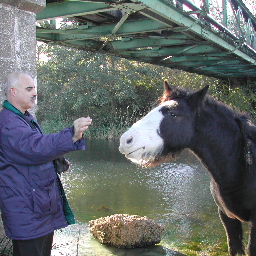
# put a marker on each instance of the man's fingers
(80, 125)
(83, 119)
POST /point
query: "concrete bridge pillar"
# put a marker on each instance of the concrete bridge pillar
(18, 37)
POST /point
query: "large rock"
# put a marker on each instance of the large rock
(126, 231)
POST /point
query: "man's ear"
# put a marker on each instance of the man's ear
(12, 91)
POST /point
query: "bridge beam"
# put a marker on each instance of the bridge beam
(158, 32)
(178, 18)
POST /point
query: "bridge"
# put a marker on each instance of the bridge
(215, 38)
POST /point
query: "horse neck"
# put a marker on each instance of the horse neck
(218, 143)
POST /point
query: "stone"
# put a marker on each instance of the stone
(126, 231)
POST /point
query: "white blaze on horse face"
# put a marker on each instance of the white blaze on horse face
(142, 143)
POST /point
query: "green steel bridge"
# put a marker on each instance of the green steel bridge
(215, 38)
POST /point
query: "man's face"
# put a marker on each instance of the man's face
(25, 93)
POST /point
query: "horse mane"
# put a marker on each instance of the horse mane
(219, 107)
(248, 130)
(245, 124)
(175, 93)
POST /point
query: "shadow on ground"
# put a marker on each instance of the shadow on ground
(5, 242)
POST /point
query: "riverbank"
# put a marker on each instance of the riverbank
(76, 240)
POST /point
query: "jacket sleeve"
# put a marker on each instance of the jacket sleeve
(23, 145)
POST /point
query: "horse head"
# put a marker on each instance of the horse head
(166, 130)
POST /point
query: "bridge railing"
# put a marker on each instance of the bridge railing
(231, 19)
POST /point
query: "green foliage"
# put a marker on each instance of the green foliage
(74, 83)
(240, 98)
(114, 92)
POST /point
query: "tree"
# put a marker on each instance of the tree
(75, 83)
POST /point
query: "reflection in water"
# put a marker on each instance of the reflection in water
(176, 195)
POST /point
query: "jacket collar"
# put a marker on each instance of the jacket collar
(10, 107)
(30, 121)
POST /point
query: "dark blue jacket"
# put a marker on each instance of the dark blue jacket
(30, 199)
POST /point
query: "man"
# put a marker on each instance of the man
(30, 200)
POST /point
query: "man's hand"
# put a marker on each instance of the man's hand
(80, 125)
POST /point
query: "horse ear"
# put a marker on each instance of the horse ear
(167, 88)
(197, 97)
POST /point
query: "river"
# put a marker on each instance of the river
(176, 195)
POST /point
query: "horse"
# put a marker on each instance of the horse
(222, 138)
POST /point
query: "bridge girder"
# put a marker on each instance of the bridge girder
(151, 31)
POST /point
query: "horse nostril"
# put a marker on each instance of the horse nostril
(129, 141)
